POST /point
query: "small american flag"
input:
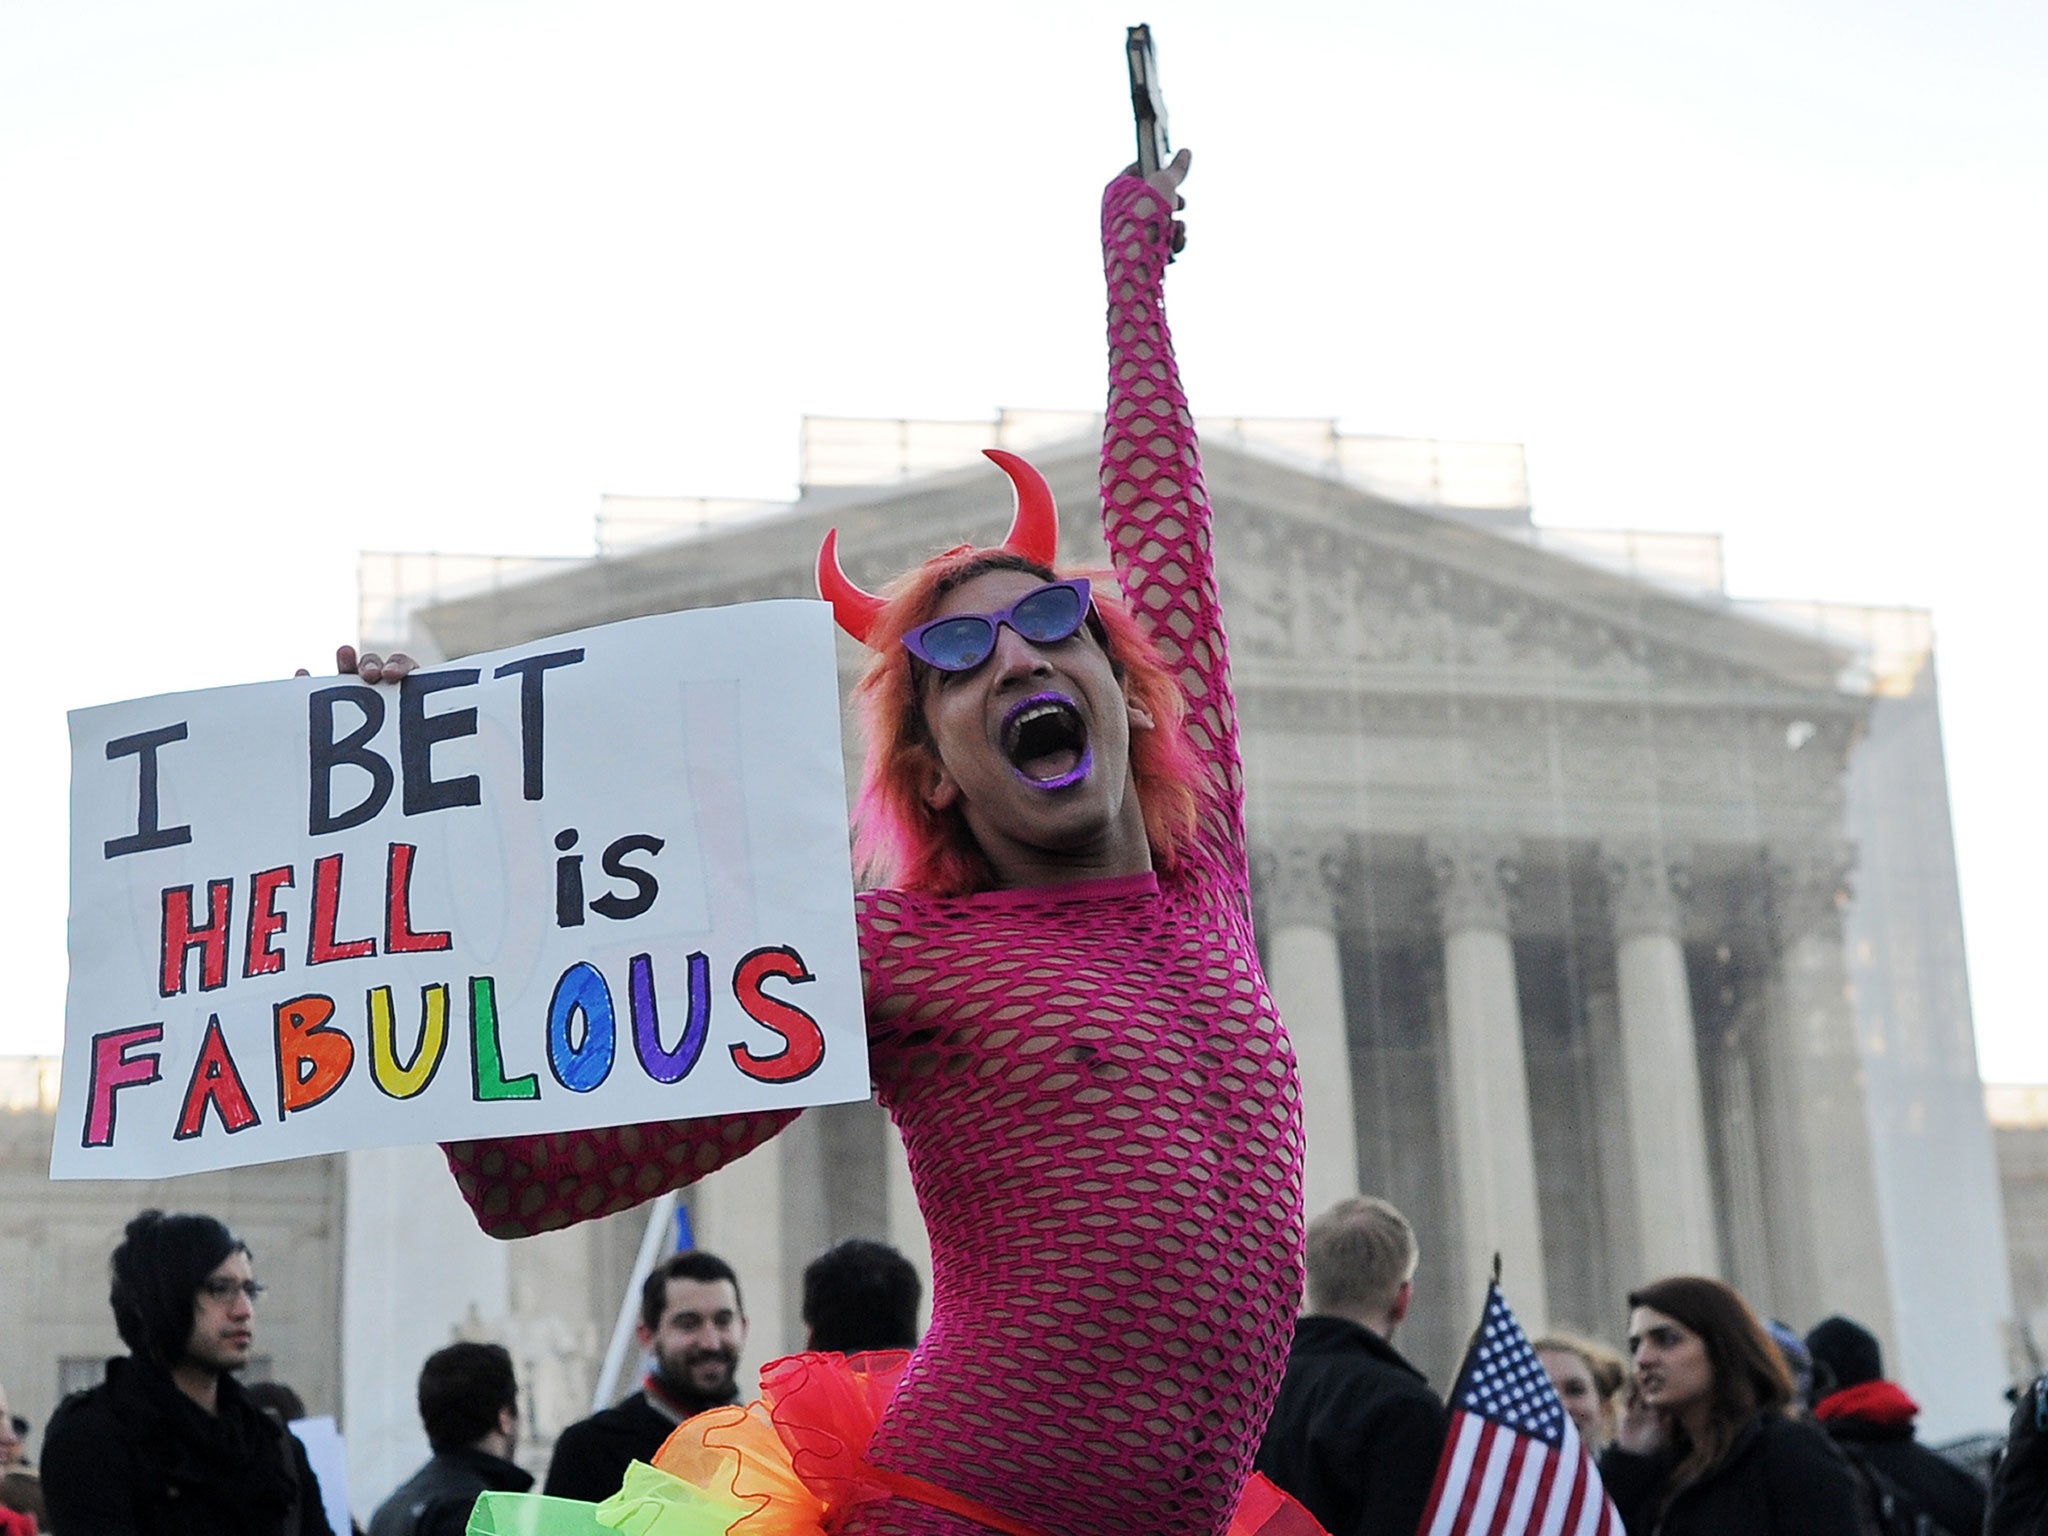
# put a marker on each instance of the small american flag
(1513, 1464)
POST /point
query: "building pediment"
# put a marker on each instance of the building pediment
(1319, 578)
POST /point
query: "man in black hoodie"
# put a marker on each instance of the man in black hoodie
(1357, 1431)
(1872, 1419)
(469, 1403)
(169, 1444)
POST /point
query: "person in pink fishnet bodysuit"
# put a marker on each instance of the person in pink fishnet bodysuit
(1066, 1017)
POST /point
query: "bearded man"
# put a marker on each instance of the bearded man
(693, 1324)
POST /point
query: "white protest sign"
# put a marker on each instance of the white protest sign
(327, 1455)
(595, 880)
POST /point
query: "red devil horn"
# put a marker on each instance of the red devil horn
(1035, 534)
(853, 608)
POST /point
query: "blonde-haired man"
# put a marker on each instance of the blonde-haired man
(1357, 1431)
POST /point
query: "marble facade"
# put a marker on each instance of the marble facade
(1558, 870)
(1614, 922)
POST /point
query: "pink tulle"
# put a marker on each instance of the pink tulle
(798, 1456)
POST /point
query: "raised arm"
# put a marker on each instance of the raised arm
(1155, 509)
(519, 1185)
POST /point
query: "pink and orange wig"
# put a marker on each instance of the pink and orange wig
(899, 839)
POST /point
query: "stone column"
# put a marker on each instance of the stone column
(1674, 1194)
(1306, 973)
(416, 1275)
(1749, 1239)
(736, 1213)
(1826, 1235)
(1493, 1157)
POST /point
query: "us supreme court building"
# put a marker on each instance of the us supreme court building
(1614, 921)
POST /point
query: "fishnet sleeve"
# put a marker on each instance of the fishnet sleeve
(1155, 508)
(520, 1185)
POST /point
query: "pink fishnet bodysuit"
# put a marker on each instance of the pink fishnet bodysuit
(1099, 1104)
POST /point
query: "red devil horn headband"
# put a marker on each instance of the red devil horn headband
(1034, 534)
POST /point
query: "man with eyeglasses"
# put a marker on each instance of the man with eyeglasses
(169, 1443)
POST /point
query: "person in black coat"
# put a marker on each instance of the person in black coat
(1356, 1433)
(1705, 1446)
(2019, 1488)
(170, 1444)
(1872, 1418)
(469, 1403)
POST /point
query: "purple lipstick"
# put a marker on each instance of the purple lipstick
(1046, 740)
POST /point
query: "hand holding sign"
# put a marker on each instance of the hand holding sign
(369, 666)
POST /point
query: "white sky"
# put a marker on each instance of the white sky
(285, 281)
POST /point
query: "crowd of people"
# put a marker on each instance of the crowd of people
(172, 1441)
(1701, 1427)
(1712, 1423)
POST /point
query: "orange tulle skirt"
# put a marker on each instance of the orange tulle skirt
(793, 1463)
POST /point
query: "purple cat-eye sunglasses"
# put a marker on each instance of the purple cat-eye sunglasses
(1045, 615)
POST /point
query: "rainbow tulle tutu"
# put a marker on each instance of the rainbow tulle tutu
(792, 1463)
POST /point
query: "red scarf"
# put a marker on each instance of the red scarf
(1875, 1402)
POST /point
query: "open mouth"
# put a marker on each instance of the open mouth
(1046, 741)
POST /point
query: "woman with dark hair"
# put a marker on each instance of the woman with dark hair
(1066, 1016)
(1706, 1446)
